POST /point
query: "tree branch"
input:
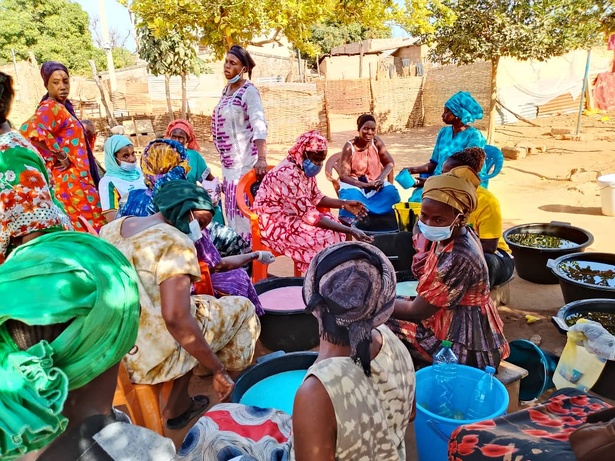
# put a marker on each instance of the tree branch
(273, 39)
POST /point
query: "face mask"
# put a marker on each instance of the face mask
(236, 78)
(436, 233)
(127, 166)
(195, 230)
(310, 169)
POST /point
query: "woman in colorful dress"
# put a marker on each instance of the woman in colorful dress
(57, 133)
(177, 331)
(287, 205)
(239, 131)
(28, 207)
(165, 160)
(459, 111)
(181, 131)
(453, 301)
(364, 167)
(122, 175)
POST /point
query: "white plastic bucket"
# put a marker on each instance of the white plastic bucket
(607, 194)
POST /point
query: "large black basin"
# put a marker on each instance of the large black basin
(604, 386)
(531, 262)
(269, 365)
(291, 329)
(578, 289)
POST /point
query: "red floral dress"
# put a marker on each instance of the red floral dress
(287, 215)
(55, 127)
(456, 280)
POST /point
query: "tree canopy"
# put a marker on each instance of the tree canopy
(219, 24)
(331, 34)
(53, 30)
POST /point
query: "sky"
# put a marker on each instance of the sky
(117, 18)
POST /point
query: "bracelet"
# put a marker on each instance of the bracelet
(55, 154)
(343, 207)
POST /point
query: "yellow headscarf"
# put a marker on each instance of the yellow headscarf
(456, 188)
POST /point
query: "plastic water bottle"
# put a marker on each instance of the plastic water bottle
(477, 407)
(445, 371)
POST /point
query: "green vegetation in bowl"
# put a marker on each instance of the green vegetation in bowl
(591, 272)
(541, 241)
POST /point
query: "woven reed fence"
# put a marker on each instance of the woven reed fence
(398, 103)
(443, 82)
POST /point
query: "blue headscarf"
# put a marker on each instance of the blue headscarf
(465, 107)
(112, 145)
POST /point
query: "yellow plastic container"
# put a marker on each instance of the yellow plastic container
(407, 213)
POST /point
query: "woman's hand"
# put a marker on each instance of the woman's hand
(62, 162)
(419, 182)
(360, 235)
(260, 168)
(378, 184)
(355, 207)
(223, 385)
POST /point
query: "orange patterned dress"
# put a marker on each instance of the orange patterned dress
(55, 127)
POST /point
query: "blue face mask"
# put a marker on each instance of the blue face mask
(310, 169)
(236, 78)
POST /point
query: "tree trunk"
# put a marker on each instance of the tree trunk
(167, 90)
(495, 61)
(184, 96)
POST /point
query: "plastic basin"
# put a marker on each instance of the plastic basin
(576, 290)
(531, 262)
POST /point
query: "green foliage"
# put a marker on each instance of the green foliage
(172, 54)
(219, 24)
(489, 29)
(331, 34)
(53, 30)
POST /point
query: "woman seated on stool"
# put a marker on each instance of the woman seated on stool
(364, 167)
(453, 301)
(357, 398)
(177, 331)
(287, 205)
(486, 220)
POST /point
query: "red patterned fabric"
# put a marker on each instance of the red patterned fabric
(604, 91)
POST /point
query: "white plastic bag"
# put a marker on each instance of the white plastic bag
(596, 339)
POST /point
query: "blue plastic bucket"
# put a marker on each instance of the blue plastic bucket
(432, 430)
(540, 366)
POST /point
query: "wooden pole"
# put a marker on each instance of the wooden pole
(110, 119)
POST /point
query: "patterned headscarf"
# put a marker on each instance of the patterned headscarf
(350, 287)
(456, 188)
(59, 278)
(163, 159)
(112, 145)
(465, 107)
(186, 127)
(312, 141)
(27, 203)
(175, 199)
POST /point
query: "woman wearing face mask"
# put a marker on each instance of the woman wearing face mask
(177, 331)
(287, 205)
(239, 131)
(453, 301)
(364, 167)
(121, 177)
(57, 133)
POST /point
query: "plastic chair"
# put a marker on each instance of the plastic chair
(494, 162)
(333, 163)
(143, 401)
(245, 197)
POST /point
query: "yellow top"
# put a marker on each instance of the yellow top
(487, 218)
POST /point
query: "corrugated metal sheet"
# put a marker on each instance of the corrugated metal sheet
(504, 117)
(560, 105)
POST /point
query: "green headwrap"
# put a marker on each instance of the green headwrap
(54, 279)
(175, 199)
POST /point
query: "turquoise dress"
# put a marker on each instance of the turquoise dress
(198, 167)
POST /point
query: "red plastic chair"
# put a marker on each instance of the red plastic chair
(259, 270)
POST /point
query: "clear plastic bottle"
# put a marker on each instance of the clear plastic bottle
(445, 371)
(477, 407)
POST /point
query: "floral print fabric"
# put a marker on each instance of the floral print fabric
(58, 130)
(229, 325)
(26, 201)
(539, 433)
(457, 282)
(286, 204)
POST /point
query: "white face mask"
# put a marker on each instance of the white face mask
(127, 166)
(195, 230)
(436, 233)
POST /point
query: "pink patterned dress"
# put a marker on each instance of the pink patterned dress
(287, 215)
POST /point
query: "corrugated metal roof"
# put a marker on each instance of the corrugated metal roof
(562, 104)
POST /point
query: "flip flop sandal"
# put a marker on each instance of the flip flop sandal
(197, 407)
